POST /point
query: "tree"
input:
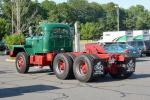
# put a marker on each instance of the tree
(6, 9)
(0, 7)
(22, 13)
(62, 13)
(94, 12)
(48, 7)
(99, 17)
(87, 30)
(4, 27)
(110, 17)
(137, 18)
(79, 10)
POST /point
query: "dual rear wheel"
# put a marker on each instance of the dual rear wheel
(83, 67)
(62, 66)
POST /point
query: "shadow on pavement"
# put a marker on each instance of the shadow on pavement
(3, 72)
(137, 76)
(109, 79)
(40, 71)
(6, 71)
(142, 60)
(17, 91)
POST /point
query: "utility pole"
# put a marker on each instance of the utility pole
(18, 15)
(12, 17)
(118, 17)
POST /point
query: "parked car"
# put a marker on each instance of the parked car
(122, 48)
(143, 46)
(4, 48)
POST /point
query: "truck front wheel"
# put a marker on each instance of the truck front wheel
(22, 64)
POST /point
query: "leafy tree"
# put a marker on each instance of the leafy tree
(137, 18)
(92, 30)
(26, 15)
(95, 18)
(94, 12)
(110, 17)
(47, 6)
(62, 13)
(79, 9)
(4, 27)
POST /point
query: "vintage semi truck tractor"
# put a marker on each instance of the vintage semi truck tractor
(53, 46)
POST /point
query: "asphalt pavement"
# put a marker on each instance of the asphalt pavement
(41, 84)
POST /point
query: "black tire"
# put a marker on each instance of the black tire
(71, 55)
(65, 61)
(125, 70)
(22, 63)
(80, 75)
(51, 67)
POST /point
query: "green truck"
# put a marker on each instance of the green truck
(53, 46)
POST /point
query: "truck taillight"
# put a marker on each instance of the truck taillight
(11, 54)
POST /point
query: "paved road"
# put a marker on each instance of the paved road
(43, 85)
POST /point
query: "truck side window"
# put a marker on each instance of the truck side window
(140, 43)
(39, 32)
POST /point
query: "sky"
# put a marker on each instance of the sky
(121, 3)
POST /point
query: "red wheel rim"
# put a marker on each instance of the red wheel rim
(83, 68)
(61, 65)
(20, 62)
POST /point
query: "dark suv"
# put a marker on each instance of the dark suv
(4, 48)
(143, 46)
(147, 47)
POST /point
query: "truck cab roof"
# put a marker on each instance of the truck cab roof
(49, 26)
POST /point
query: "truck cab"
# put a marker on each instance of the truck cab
(50, 37)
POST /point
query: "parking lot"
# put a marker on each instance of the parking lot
(41, 84)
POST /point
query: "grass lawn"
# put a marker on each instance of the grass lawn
(87, 41)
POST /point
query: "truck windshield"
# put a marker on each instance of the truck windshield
(60, 31)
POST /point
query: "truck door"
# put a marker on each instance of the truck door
(38, 41)
(38, 44)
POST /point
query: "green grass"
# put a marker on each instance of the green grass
(11, 58)
(87, 41)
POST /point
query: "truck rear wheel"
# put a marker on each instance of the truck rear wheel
(22, 64)
(72, 56)
(124, 70)
(82, 68)
(62, 66)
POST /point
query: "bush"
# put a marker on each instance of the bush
(14, 39)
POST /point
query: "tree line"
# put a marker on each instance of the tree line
(94, 18)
